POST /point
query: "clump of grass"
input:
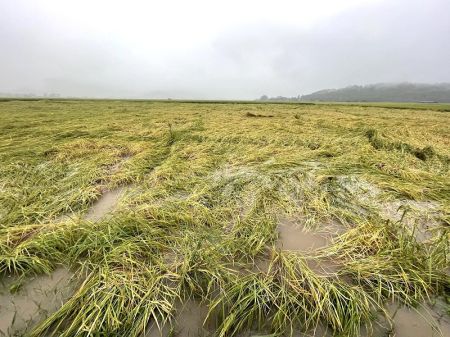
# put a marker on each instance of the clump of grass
(201, 265)
(291, 296)
(379, 142)
(251, 114)
(28, 249)
(115, 302)
(250, 237)
(387, 261)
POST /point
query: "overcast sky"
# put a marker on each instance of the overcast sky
(234, 49)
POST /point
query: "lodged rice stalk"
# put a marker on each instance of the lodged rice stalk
(207, 187)
(386, 260)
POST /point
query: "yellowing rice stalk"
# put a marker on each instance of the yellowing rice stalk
(155, 205)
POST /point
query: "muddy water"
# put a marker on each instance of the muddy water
(298, 239)
(36, 300)
(188, 322)
(294, 236)
(426, 321)
(105, 204)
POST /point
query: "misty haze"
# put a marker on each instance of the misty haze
(227, 50)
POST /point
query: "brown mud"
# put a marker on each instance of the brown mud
(39, 297)
(189, 322)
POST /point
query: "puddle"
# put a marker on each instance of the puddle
(294, 237)
(105, 204)
(261, 265)
(188, 322)
(36, 300)
(298, 239)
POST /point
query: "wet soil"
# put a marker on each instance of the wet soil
(189, 322)
(34, 301)
(426, 321)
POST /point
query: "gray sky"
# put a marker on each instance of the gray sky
(219, 49)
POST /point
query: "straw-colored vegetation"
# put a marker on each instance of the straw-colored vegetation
(207, 185)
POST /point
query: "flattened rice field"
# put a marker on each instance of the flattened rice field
(142, 218)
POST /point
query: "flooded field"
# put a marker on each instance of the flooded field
(205, 219)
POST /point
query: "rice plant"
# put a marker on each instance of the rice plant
(205, 188)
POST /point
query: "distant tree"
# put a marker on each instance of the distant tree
(398, 92)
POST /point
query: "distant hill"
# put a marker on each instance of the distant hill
(400, 92)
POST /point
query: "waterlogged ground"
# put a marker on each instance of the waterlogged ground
(122, 218)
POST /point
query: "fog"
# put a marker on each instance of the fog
(218, 50)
